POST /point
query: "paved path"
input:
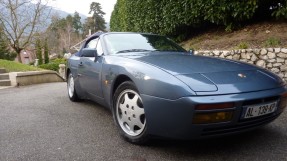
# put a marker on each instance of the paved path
(5, 87)
(39, 123)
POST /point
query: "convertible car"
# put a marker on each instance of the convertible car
(155, 88)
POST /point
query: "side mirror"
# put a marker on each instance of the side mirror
(89, 53)
(191, 52)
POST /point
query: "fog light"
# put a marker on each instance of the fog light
(205, 118)
(214, 106)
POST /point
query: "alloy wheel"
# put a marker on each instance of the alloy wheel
(71, 86)
(130, 113)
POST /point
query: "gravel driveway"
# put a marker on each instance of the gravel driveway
(40, 123)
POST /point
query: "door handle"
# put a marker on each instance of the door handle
(81, 64)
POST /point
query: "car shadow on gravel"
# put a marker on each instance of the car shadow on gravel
(93, 104)
(259, 140)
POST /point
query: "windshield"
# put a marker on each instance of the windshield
(133, 42)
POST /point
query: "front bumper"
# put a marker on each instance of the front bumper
(173, 118)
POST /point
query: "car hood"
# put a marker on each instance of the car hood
(207, 75)
(176, 64)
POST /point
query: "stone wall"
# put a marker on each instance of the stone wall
(34, 77)
(273, 59)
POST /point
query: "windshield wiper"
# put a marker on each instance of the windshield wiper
(132, 50)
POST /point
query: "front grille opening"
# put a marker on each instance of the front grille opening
(239, 127)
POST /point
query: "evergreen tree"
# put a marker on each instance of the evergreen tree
(77, 25)
(46, 52)
(98, 17)
(39, 52)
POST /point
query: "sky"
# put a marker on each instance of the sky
(83, 6)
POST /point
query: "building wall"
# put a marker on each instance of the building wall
(273, 59)
(27, 56)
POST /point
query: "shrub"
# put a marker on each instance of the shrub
(50, 66)
(32, 63)
(54, 64)
(280, 10)
(272, 42)
(59, 61)
(243, 45)
(5, 52)
(7, 55)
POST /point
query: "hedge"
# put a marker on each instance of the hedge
(174, 17)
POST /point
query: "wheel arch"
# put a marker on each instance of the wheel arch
(68, 71)
(117, 82)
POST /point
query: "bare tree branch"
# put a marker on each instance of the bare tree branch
(21, 20)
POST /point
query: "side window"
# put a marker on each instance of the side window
(99, 48)
(92, 44)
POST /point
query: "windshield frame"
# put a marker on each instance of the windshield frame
(175, 45)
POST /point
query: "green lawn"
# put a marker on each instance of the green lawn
(12, 66)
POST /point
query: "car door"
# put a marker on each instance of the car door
(90, 67)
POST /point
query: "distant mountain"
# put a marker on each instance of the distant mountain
(61, 14)
(64, 14)
(51, 11)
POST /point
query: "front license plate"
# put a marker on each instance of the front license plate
(260, 110)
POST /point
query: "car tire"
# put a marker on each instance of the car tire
(128, 113)
(71, 89)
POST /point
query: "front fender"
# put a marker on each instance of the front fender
(155, 82)
(149, 79)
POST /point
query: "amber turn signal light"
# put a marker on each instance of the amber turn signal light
(215, 117)
(214, 106)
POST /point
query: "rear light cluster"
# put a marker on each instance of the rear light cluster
(213, 117)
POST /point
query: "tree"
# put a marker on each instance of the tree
(88, 25)
(98, 17)
(20, 20)
(52, 36)
(62, 33)
(46, 52)
(68, 30)
(77, 24)
(39, 51)
(5, 52)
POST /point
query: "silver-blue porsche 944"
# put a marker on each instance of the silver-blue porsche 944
(156, 88)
